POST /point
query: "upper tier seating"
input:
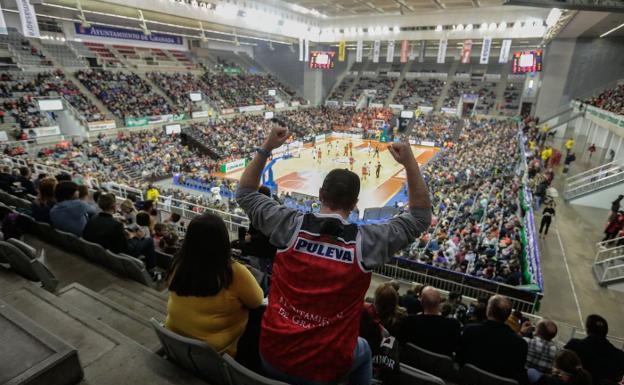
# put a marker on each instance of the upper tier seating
(125, 94)
(63, 54)
(611, 100)
(416, 92)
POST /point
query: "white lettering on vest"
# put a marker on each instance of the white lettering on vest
(324, 250)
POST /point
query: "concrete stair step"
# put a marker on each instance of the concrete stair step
(142, 303)
(107, 356)
(10, 281)
(128, 322)
(142, 290)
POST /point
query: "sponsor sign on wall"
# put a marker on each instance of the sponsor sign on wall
(126, 34)
(101, 125)
(485, 50)
(465, 53)
(233, 165)
(442, 51)
(376, 49)
(504, 52)
(30, 27)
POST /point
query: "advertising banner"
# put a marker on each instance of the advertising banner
(306, 45)
(485, 50)
(376, 49)
(279, 105)
(227, 111)
(258, 107)
(319, 138)
(358, 51)
(342, 50)
(232, 70)
(136, 122)
(233, 166)
(504, 52)
(126, 34)
(465, 53)
(300, 49)
(404, 49)
(46, 131)
(390, 52)
(442, 51)
(101, 125)
(199, 114)
(30, 28)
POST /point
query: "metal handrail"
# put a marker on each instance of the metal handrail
(592, 177)
(609, 269)
(605, 243)
(590, 171)
(594, 185)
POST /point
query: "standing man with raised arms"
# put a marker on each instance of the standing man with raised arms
(322, 270)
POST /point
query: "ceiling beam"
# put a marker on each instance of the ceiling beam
(476, 3)
(438, 4)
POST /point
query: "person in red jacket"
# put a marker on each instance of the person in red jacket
(322, 270)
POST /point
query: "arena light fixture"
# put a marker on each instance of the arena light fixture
(469, 27)
(493, 27)
(553, 17)
(385, 30)
(484, 26)
(360, 31)
(502, 26)
(438, 28)
(612, 30)
(460, 27)
(396, 29)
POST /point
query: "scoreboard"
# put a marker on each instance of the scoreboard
(527, 61)
(322, 59)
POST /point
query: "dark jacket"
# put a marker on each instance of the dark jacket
(259, 245)
(103, 229)
(41, 212)
(431, 332)
(494, 347)
(27, 185)
(600, 358)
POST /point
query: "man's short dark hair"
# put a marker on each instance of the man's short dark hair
(340, 189)
(546, 329)
(596, 325)
(265, 190)
(175, 217)
(106, 202)
(499, 308)
(65, 190)
(143, 218)
(24, 171)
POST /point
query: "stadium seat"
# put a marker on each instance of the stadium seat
(93, 252)
(240, 375)
(30, 251)
(163, 260)
(413, 376)
(46, 232)
(434, 363)
(194, 355)
(68, 241)
(471, 375)
(31, 269)
(115, 263)
(135, 269)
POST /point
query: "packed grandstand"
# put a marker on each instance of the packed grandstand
(129, 195)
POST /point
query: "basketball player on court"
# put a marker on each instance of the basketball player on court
(376, 154)
(377, 169)
(310, 328)
(350, 148)
(319, 155)
(364, 171)
(351, 161)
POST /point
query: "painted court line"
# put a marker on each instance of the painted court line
(565, 262)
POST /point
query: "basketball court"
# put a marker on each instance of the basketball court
(304, 172)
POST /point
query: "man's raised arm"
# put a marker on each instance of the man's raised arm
(273, 220)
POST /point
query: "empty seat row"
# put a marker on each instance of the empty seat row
(23, 260)
(445, 368)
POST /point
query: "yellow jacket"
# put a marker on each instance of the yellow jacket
(547, 153)
(219, 320)
(152, 195)
(569, 144)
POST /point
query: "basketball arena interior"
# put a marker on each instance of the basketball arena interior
(311, 192)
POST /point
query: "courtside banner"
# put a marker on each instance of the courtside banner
(30, 28)
(300, 49)
(390, 52)
(485, 50)
(3, 27)
(412, 52)
(358, 51)
(504, 52)
(342, 50)
(376, 49)
(404, 48)
(465, 53)
(442, 51)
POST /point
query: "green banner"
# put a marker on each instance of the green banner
(178, 117)
(233, 166)
(136, 122)
(232, 70)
